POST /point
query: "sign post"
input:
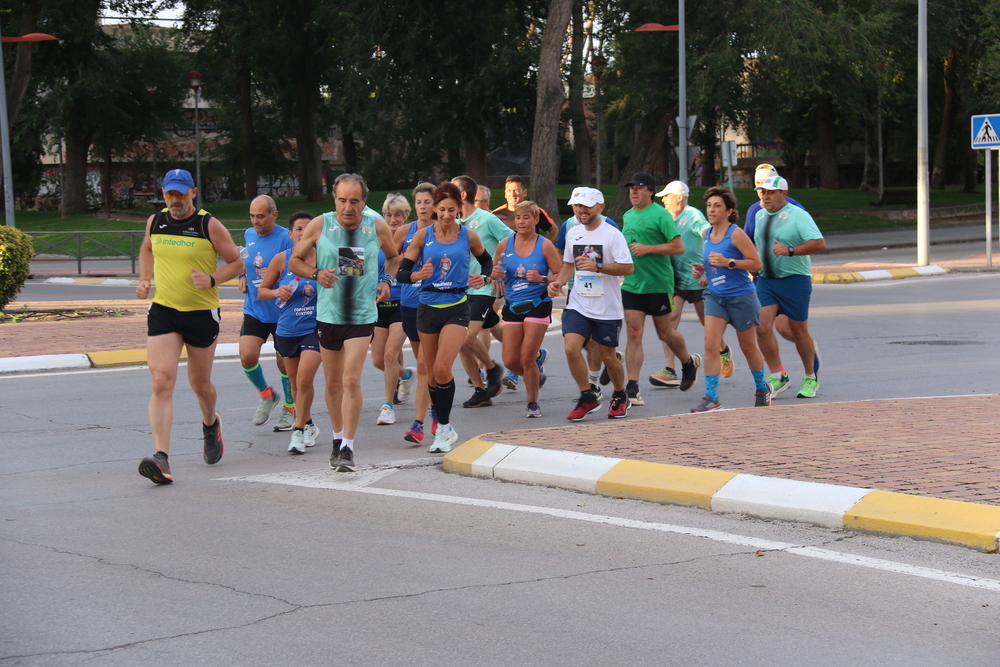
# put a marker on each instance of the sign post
(985, 136)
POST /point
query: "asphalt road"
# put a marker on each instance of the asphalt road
(270, 559)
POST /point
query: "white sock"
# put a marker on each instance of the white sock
(594, 376)
(347, 444)
(338, 435)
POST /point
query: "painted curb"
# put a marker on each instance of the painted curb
(117, 282)
(54, 362)
(829, 505)
(43, 362)
(842, 278)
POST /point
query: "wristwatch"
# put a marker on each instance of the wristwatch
(315, 274)
(732, 264)
(545, 280)
(791, 251)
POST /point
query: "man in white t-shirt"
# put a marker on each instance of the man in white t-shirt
(596, 254)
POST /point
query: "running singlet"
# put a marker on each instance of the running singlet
(260, 251)
(178, 247)
(516, 268)
(352, 254)
(723, 281)
(450, 279)
(298, 314)
(409, 296)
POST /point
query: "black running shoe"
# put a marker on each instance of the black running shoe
(346, 461)
(156, 468)
(493, 386)
(689, 372)
(335, 455)
(605, 378)
(480, 399)
(213, 449)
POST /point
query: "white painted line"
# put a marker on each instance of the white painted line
(117, 281)
(553, 467)
(43, 362)
(61, 281)
(787, 500)
(483, 466)
(928, 270)
(335, 481)
(877, 274)
(224, 350)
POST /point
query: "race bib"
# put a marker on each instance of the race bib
(589, 284)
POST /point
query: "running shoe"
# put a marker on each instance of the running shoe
(777, 384)
(689, 372)
(212, 435)
(156, 468)
(415, 434)
(265, 406)
(543, 354)
(619, 408)
(665, 378)
(445, 438)
(335, 454)
(386, 415)
(816, 361)
(346, 460)
(480, 399)
(286, 422)
(403, 388)
(632, 391)
(434, 421)
(597, 392)
(586, 404)
(493, 377)
(605, 378)
(728, 363)
(309, 434)
(534, 410)
(510, 380)
(762, 398)
(809, 387)
(297, 444)
(707, 405)
(541, 380)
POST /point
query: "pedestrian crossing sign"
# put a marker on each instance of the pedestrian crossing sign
(986, 131)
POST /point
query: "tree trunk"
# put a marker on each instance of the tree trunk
(108, 194)
(310, 157)
(648, 135)
(250, 172)
(947, 121)
(22, 62)
(548, 107)
(829, 177)
(870, 170)
(350, 152)
(581, 132)
(74, 197)
(708, 149)
(475, 154)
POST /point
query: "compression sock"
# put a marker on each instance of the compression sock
(256, 377)
(712, 387)
(446, 396)
(286, 386)
(758, 379)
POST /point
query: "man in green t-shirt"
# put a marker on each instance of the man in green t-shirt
(653, 237)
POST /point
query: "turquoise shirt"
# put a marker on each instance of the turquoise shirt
(352, 254)
(691, 223)
(491, 231)
(789, 226)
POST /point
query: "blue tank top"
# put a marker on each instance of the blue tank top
(260, 251)
(723, 281)
(409, 296)
(451, 268)
(298, 314)
(516, 268)
(393, 285)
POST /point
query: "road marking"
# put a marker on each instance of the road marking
(325, 479)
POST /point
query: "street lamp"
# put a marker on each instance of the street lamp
(8, 179)
(195, 79)
(682, 117)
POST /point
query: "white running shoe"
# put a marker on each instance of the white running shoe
(310, 434)
(445, 438)
(386, 415)
(297, 445)
(403, 385)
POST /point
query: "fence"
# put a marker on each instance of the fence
(88, 246)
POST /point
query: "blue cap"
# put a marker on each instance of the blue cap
(178, 180)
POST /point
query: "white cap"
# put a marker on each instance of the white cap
(675, 188)
(586, 197)
(773, 183)
(763, 172)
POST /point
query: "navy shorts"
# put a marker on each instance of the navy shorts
(792, 295)
(654, 303)
(198, 328)
(603, 332)
(408, 316)
(290, 347)
(253, 327)
(742, 311)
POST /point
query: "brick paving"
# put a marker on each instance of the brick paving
(940, 447)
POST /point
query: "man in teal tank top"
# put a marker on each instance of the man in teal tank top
(347, 242)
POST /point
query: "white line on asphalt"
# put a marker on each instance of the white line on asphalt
(323, 479)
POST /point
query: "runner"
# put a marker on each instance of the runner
(730, 298)
(181, 248)
(295, 338)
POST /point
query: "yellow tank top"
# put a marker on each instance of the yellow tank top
(178, 247)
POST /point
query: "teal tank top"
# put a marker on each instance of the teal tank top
(352, 254)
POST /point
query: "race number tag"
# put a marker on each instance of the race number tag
(589, 284)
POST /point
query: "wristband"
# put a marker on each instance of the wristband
(315, 274)
(212, 278)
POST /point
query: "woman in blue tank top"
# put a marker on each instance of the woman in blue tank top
(730, 297)
(295, 339)
(524, 262)
(443, 314)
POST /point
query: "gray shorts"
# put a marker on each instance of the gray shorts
(743, 311)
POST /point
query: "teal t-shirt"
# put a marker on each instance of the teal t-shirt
(691, 223)
(652, 225)
(353, 255)
(789, 226)
(491, 231)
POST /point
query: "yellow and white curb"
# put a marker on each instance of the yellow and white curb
(114, 282)
(879, 274)
(69, 362)
(829, 505)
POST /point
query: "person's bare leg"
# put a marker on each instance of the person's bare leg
(163, 356)
(354, 353)
(635, 323)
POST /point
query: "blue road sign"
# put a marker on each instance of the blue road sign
(986, 131)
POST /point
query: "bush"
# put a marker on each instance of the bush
(15, 262)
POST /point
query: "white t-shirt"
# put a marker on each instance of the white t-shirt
(597, 296)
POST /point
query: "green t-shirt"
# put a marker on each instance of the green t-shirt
(491, 231)
(789, 226)
(652, 225)
(692, 225)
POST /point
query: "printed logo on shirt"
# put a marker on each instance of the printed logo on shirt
(350, 261)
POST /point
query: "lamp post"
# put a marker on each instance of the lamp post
(195, 79)
(923, 185)
(682, 117)
(8, 178)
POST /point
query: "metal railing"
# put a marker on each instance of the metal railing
(88, 246)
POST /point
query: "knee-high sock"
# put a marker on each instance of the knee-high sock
(256, 377)
(286, 386)
(442, 402)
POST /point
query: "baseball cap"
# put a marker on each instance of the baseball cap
(586, 197)
(178, 180)
(642, 178)
(675, 188)
(762, 172)
(773, 183)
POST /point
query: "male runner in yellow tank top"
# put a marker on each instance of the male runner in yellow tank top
(181, 248)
